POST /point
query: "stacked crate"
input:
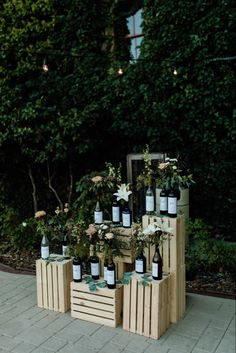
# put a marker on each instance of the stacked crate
(173, 255)
(53, 283)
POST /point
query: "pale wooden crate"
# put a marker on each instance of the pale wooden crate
(121, 267)
(178, 294)
(101, 307)
(146, 309)
(173, 248)
(53, 284)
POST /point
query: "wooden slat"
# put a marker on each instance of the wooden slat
(140, 307)
(39, 284)
(147, 311)
(45, 284)
(155, 319)
(95, 319)
(133, 305)
(93, 311)
(50, 287)
(55, 288)
(126, 307)
(91, 303)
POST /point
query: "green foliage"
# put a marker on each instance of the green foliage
(206, 253)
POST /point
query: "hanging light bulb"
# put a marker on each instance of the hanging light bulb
(45, 66)
(120, 71)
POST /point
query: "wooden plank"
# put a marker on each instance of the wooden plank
(39, 284)
(140, 307)
(55, 288)
(92, 297)
(93, 311)
(92, 304)
(118, 305)
(61, 288)
(133, 305)
(92, 318)
(50, 287)
(147, 311)
(45, 284)
(155, 305)
(105, 292)
(126, 306)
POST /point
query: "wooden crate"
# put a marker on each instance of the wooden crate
(53, 284)
(173, 249)
(101, 307)
(146, 310)
(121, 267)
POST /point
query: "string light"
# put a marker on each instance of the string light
(45, 66)
(175, 72)
(120, 71)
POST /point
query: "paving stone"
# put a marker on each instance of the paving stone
(24, 348)
(68, 334)
(227, 344)
(34, 335)
(54, 344)
(83, 327)
(153, 348)
(111, 348)
(76, 349)
(14, 327)
(139, 344)
(180, 342)
(8, 343)
(46, 320)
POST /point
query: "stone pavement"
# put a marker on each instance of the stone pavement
(207, 327)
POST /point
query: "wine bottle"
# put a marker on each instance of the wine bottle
(44, 247)
(140, 263)
(77, 269)
(105, 269)
(111, 275)
(157, 264)
(94, 266)
(172, 204)
(126, 217)
(98, 214)
(149, 201)
(115, 212)
(163, 202)
(65, 247)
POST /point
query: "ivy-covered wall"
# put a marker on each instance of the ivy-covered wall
(57, 125)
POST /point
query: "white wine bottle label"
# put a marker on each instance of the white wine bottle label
(115, 214)
(139, 266)
(111, 277)
(149, 203)
(44, 252)
(98, 217)
(105, 273)
(126, 219)
(77, 272)
(154, 269)
(95, 269)
(172, 205)
(163, 203)
(65, 250)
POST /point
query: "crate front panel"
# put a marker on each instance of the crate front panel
(53, 284)
(146, 309)
(102, 307)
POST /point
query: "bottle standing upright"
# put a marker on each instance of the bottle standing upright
(172, 204)
(77, 269)
(111, 274)
(115, 212)
(98, 214)
(44, 247)
(149, 201)
(65, 247)
(157, 264)
(163, 202)
(126, 217)
(94, 266)
(140, 263)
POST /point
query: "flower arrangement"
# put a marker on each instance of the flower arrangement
(42, 227)
(170, 176)
(109, 243)
(157, 232)
(80, 242)
(139, 240)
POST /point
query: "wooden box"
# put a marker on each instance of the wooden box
(53, 284)
(101, 307)
(146, 309)
(173, 248)
(178, 294)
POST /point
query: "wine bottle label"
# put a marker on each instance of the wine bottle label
(95, 269)
(154, 269)
(44, 252)
(115, 213)
(105, 273)
(163, 203)
(98, 217)
(77, 272)
(172, 205)
(126, 219)
(65, 250)
(139, 266)
(111, 277)
(149, 203)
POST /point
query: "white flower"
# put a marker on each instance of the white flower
(24, 224)
(39, 214)
(109, 236)
(163, 226)
(173, 160)
(103, 227)
(150, 229)
(123, 192)
(174, 167)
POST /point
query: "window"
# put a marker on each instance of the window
(135, 33)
